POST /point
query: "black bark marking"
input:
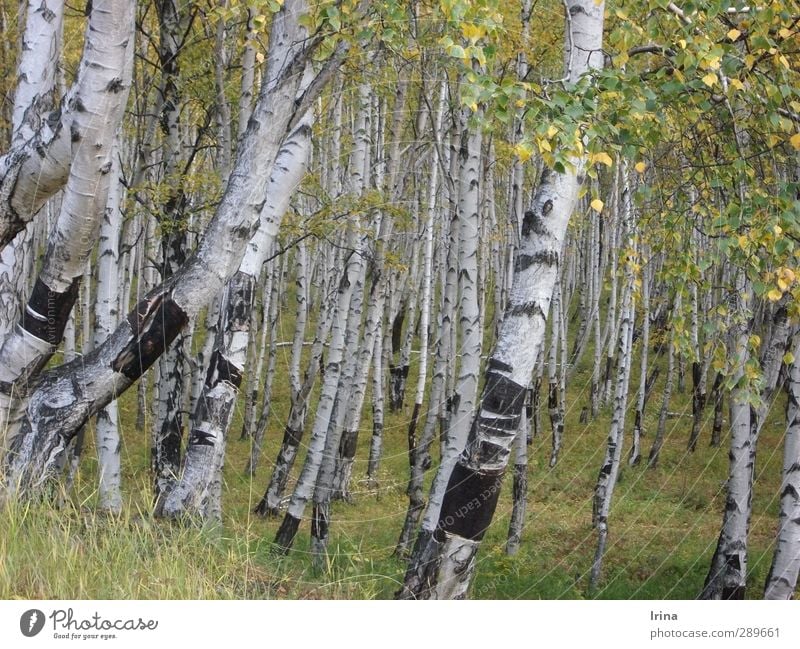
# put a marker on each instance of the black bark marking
(529, 309)
(115, 85)
(495, 364)
(469, 503)
(48, 311)
(292, 437)
(155, 322)
(221, 369)
(791, 490)
(547, 207)
(286, 533)
(77, 105)
(201, 438)
(348, 444)
(531, 223)
(544, 257)
(47, 13)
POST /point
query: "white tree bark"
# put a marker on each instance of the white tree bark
(782, 577)
(106, 318)
(206, 447)
(33, 98)
(102, 93)
(727, 576)
(66, 396)
(474, 485)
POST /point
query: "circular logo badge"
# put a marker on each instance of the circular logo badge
(31, 622)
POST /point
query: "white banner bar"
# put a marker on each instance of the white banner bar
(362, 625)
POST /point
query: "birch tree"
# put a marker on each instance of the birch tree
(142, 337)
(474, 485)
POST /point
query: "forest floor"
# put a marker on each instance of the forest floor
(663, 527)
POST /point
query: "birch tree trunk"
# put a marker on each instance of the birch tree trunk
(325, 431)
(609, 471)
(102, 92)
(782, 577)
(520, 488)
(167, 434)
(419, 454)
(638, 424)
(206, 448)
(466, 388)
(66, 396)
(727, 576)
(33, 98)
(474, 484)
(106, 317)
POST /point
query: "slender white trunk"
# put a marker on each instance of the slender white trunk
(81, 389)
(206, 448)
(782, 577)
(102, 93)
(106, 318)
(473, 489)
(520, 487)
(727, 576)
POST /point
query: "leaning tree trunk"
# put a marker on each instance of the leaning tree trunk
(206, 449)
(106, 314)
(782, 577)
(727, 576)
(466, 389)
(474, 485)
(609, 471)
(67, 395)
(337, 361)
(103, 91)
(519, 489)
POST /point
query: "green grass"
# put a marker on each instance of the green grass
(663, 527)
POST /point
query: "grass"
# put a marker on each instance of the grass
(663, 527)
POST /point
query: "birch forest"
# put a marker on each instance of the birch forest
(412, 299)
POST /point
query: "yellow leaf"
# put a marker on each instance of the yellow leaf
(471, 31)
(788, 358)
(523, 152)
(602, 158)
(737, 84)
(784, 62)
(597, 205)
(784, 33)
(742, 241)
(544, 145)
(783, 284)
(640, 167)
(795, 141)
(710, 79)
(734, 34)
(774, 295)
(682, 43)
(551, 130)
